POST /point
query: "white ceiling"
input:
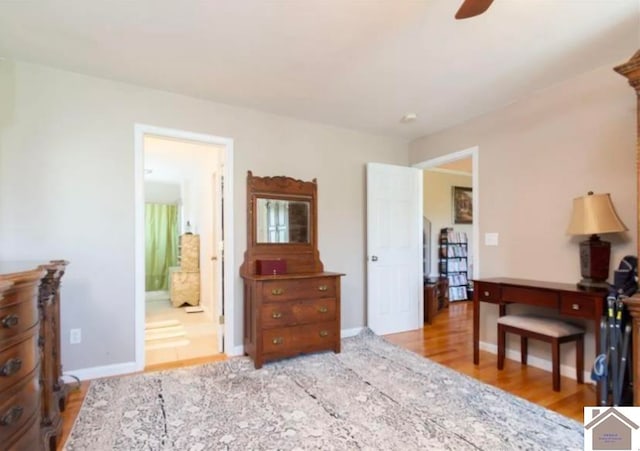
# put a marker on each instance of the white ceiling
(360, 64)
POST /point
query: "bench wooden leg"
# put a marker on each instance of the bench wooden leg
(524, 349)
(555, 363)
(501, 347)
(580, 359)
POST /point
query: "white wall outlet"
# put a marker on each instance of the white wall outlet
(490, 239)
(75, 336)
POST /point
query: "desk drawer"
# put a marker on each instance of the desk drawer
(487, 292)
(579, 306)
(531, 296)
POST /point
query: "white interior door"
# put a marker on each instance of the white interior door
(394, 248)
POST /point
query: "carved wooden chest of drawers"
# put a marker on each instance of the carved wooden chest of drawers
(32, 393)
(286, 315)
(20, 361)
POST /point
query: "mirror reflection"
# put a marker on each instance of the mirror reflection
(282, 221)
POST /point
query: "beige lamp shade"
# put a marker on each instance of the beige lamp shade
(594, 214)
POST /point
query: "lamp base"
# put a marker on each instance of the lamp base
(591, 284)
(594, 263)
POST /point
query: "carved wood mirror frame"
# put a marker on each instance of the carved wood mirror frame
(299, 257)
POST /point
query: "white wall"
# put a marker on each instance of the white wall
(535, 156)
(67, 190)
(162, 193)
(438, 208)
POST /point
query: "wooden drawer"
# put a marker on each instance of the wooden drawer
(17, 318)
(28, 438)
(579, 306)
(17, 406)
(300, 338)
(294, 289)
(293, 313)
(530, 296)
(487, 292)
(18, 361)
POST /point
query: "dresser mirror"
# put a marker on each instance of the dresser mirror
(281, 221)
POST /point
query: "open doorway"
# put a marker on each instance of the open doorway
(183, 279)
(450, 212)
(182, 275)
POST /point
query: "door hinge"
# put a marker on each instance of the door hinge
(221, 319)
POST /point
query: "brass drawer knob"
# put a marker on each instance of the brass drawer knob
(277, 341)
(575, 306)
(9, 321)
(276, 315)
(323, 288)
(11, 367)
(277, 291)
(324, 333)
(11, 416)
(323, 309)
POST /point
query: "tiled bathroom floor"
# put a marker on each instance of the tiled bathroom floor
(189, 335)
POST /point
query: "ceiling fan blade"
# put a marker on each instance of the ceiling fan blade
(471, 8)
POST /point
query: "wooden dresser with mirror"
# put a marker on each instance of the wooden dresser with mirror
(291, 305)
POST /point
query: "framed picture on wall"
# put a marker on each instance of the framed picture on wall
(462, 205)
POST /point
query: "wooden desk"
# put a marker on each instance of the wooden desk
(566, 299)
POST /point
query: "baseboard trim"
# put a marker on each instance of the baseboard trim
(346, 333)
(98, 372)
(235, 351)
(537, 362)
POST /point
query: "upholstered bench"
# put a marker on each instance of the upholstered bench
(550, 330)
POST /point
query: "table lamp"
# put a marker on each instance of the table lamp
(593, 214)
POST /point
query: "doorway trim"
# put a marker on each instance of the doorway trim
(140, 130)
(474, 153)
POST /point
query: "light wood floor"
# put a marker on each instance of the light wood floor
(447, 341)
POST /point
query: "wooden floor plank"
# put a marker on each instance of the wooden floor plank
(449, 341)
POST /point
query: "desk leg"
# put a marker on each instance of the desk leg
(476, 326)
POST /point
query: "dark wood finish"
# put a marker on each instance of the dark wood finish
(20, 359)
(561, 296)
(282, 314)
(32, 394)
(300, 257)
(555, 342)
(631, 71)
(292, 313)
(53, 388)
(435, 297)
